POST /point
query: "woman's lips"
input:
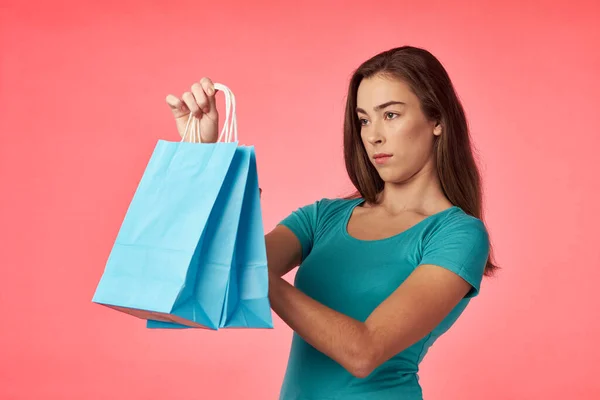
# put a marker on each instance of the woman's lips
(381, 158)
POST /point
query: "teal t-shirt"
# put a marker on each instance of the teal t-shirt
(354, 276)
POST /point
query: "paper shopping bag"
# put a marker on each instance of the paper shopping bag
(174, 254)
(246, 301)
(151, 270)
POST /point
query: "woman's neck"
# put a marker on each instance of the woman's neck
(422, 193)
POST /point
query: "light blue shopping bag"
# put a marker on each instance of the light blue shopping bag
(246, 303)
(175, 256)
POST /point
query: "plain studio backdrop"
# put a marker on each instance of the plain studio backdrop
(82, 88)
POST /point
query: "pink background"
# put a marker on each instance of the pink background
(82, 90)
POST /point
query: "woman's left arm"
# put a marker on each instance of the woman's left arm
(413, 310)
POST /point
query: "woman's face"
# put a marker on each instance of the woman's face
(395, 132)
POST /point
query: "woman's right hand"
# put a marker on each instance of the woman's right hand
(200, 101)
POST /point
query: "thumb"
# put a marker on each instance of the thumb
(178, 107)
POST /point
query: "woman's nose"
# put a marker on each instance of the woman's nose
(376, 137)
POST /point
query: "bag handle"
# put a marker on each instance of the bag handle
(229, 130)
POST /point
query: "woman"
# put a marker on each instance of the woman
(386, 272)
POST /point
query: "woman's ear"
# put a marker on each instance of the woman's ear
(437, 130)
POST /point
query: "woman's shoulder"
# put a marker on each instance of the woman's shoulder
(328, 206)
(455, 221)
(327, 210)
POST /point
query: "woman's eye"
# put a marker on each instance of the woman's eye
(363, 121)
(390, 115)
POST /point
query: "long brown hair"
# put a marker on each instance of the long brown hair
(456, 166)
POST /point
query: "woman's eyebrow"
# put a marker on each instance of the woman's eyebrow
(381, 106)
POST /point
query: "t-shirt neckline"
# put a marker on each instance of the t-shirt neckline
(359, 201)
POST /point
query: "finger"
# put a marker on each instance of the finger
(201, 98)
(192, 105)
(208, 86)
(177, 106)
(209, 89)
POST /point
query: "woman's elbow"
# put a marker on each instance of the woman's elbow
(363, 362)
(362, 366)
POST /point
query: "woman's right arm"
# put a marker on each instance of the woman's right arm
(284, 251)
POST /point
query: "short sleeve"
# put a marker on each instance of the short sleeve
(303, 223)
(461, 246)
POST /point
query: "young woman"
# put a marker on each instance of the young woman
(386, 272)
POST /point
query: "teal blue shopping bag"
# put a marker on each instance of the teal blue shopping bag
(175, 253)
(246, 303)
